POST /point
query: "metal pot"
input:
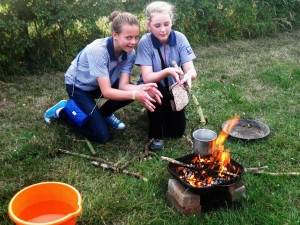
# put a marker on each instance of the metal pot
(203, 141)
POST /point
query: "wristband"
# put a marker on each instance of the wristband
(133, 96)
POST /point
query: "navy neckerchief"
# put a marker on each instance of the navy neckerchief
(111, 52)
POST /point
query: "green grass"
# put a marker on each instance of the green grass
(256, 79)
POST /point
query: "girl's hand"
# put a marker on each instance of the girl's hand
(174, 72)
(186, 78)
(147, 94)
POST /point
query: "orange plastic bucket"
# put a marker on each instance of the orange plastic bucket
(46, 203)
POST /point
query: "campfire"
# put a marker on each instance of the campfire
(201, 172)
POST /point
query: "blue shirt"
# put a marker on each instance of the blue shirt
(177, 48)
(98, 60)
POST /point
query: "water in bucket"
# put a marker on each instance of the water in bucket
(47, 202)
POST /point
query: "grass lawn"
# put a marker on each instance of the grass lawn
(255, 79)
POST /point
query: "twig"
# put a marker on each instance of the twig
(90, 146)
(176, 162)
(84, 156)
(260, 170)
(116, 169)
(278, 174)
(147, 152)
(255, 169)
(189, 140)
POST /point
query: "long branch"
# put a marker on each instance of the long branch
(84, 156)
(278, 174)
(116, 169)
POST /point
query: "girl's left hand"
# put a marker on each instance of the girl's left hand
(186, 78)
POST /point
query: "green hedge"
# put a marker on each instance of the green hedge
(39, 35)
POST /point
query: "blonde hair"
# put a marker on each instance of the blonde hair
(117, 19)
(159, 6)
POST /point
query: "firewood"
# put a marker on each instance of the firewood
(260, 170)
(116, 169)
(255, 169)
(279, 174)
(84, 156)
(103, 163)
(196, 168)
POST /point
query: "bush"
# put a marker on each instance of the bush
(221, 20)
(41, 35)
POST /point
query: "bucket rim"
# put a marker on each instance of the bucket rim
(58, 221)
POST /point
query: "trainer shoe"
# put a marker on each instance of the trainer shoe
(51, 112)
(157, 144)
(114, 122)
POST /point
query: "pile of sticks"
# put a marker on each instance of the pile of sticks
(99, 162)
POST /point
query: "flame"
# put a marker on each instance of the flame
(219, 154)
(218, 162)
(225, 132)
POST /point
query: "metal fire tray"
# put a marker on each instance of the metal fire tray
(248, 129)
(199, 190)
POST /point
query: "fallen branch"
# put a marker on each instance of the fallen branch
(102, 163)
(260, 170)
(83, 156)
(116, 169)
(255, 169)
(278, 174)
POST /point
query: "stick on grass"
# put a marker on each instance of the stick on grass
(116, 169)
(84, 156)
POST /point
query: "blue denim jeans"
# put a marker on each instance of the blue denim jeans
(96, 128)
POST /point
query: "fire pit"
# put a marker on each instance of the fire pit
(204, 174)
(213, 178)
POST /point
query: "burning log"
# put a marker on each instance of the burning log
(196, 168)
(116, 169)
